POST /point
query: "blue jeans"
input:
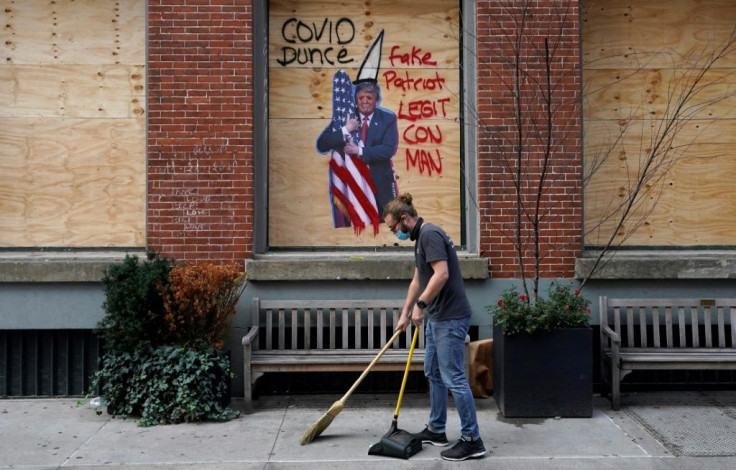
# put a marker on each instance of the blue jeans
(444, 368)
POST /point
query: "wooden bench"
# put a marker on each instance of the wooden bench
(675, 334)
(324, 336)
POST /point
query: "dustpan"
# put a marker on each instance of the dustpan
(397, 442)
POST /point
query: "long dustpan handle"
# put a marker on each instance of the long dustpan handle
(406, 373)
(370, 366)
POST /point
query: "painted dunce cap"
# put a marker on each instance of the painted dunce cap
(369, 68)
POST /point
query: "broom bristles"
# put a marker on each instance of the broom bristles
(321, 424)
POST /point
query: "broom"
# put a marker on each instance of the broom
(321, 424)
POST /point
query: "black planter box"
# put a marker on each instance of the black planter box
(545, 374)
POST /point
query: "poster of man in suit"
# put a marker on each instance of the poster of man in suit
(363, 138)
(363, 104)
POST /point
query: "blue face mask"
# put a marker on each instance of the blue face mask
(402, 235)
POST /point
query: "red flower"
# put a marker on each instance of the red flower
(567, 307)
(577, 292)
(500, 302)
(587, 310)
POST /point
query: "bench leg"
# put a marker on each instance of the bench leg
(605, 374)
(615, 387)
(247, 380)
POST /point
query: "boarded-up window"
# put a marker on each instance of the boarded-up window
(72, 130)
(638, 57)
(317, 194)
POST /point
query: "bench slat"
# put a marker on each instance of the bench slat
(395, 322)
(694, 332)
(383, 326)
(655, 327)
(320, 327)
(269, 327)
(294, 329)
(371, 323)
(333, 322)
(344, 329)
(681, 326)
(307, 330)
(707, 326)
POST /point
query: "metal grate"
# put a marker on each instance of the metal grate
(44, 363)
(696, 424)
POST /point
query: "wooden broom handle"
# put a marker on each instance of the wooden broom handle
(370, 366)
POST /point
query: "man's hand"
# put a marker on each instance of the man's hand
(417, 316)
(403, 323)
(351, 125)
(351, 149)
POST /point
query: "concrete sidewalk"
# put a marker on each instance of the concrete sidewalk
(57, 433)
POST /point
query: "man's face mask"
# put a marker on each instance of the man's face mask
(397, 229)
(402, 235)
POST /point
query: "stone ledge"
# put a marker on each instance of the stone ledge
(671, 264)
(43, 266)
(305, 267)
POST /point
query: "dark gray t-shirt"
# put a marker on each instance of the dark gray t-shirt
(434, 244)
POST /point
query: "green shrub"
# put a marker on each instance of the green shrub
(133, 305)
(166, 384)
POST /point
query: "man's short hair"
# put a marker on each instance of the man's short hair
(369, 87)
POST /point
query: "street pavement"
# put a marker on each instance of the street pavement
(658, 430)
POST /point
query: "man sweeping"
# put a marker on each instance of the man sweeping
(437, 292)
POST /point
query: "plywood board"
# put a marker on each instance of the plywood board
(653, 34)
(649, 93)
(419, 80)
(72, 183)
(72, 124)
(73, 32)
(636, 57)
(75, 91)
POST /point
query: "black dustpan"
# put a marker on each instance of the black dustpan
(397, 442)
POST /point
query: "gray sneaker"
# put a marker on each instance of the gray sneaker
(431, 437)
(464, 450)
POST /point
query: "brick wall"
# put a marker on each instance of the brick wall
(200, 129)
(501, 134)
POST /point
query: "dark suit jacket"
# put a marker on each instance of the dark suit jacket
(380, 146)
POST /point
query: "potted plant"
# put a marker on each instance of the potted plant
(543, 361)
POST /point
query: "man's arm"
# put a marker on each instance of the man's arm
(434, 286)
(330, 140)
(439, 278)
(410, 303)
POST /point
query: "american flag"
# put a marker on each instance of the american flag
(351, 186)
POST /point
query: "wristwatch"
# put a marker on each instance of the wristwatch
(421, 304)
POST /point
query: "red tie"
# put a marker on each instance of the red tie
(364, 130)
